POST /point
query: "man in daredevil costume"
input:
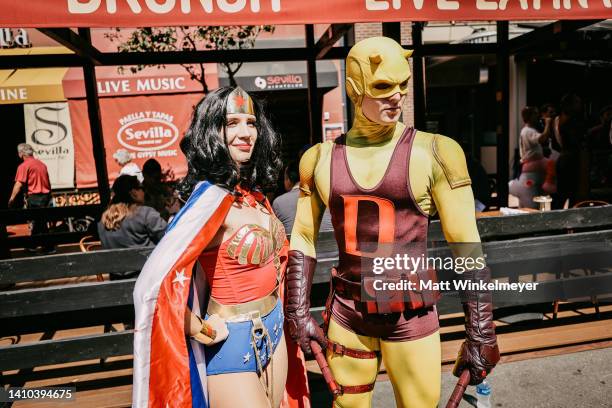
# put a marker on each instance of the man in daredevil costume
(381, 182)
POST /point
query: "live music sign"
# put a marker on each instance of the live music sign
(136, 13)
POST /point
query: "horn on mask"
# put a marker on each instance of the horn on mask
(375, 59)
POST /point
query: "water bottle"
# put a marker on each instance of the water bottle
(483, 395)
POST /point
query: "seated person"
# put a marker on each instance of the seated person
(158, 193)
(127, 222)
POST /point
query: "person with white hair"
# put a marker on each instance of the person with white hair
(123, 158)
(33, 178)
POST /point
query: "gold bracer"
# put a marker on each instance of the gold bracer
(207, 334)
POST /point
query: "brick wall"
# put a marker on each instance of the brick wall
(367, 30)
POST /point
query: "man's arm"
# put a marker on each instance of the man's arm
(16, 189)
(310, 207)
(543, 137)
(302, 257)
(454, 200)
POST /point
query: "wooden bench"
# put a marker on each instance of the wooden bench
(70, 306)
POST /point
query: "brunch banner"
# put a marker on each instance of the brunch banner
(137, 13)
(147, 127)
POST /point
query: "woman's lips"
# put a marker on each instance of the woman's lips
(243, 147)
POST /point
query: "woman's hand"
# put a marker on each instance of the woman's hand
(219, 326)
(208, 332)
(192, 323)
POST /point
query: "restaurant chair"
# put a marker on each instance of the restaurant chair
(87, 244)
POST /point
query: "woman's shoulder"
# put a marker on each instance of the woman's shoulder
(145, 210)
(206, 188)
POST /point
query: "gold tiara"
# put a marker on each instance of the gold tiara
(239, 101)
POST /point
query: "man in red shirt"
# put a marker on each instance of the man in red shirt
(33, 177)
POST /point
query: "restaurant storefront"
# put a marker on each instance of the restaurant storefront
(124, 103)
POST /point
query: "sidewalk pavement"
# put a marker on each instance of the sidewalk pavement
(577, 380)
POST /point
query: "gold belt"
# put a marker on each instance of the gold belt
(244, 311)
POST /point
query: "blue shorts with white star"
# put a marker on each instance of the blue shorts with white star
(236, 354)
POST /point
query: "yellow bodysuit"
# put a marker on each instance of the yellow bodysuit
(440, 183)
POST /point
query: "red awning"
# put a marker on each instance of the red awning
(136, 13)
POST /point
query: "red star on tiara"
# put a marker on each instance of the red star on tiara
(239, 100)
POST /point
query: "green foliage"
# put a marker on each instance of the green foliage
(164, 39)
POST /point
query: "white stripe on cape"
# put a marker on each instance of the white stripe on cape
(161, 294)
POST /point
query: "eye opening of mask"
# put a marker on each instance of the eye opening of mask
(382, 86)
(404, 83)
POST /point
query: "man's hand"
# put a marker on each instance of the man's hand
(16, 189)
(304, 330)
(302, 327)
(479, 353)
(479, 358)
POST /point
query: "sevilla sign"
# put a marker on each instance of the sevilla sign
(148, 127)
(146, 13)
(148, 130)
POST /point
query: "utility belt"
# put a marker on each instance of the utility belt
(389, 301)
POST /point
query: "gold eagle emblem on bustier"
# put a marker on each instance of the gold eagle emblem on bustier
(252, 244)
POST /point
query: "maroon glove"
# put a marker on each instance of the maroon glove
(479, 352)
(302, 327)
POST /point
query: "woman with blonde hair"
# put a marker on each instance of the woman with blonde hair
(127, 222)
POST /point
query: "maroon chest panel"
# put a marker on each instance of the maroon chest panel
(365, 218)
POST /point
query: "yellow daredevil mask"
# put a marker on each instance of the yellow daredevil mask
(377, 67)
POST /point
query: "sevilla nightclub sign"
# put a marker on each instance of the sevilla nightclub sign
(136, 13)
(147, 127)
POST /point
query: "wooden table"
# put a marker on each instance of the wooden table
(498, 213)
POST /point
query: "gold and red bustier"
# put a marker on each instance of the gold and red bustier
(248, 265)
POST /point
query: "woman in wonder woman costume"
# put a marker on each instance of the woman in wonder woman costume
(209, 315)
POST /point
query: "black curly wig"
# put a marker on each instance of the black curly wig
(208, 157)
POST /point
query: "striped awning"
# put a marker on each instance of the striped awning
(32, 84)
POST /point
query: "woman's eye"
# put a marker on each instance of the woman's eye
(251, 123)
(231, 124)
(382, 86)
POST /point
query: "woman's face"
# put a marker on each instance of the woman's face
(240, 136)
